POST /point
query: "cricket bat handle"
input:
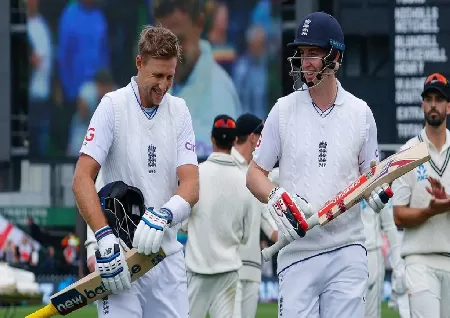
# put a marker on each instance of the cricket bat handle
(45, 312)
(270, 251)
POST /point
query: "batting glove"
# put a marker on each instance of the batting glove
(379, 197)
(150, 231)
(289, 211)
(111, 262)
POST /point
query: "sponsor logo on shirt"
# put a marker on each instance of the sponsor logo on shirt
(189, 146)
(89, 135)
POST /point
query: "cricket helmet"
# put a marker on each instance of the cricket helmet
(322, 30)
(123, 207)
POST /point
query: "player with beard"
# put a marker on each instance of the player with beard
(143, 136)
(421, 208)
(324, 137)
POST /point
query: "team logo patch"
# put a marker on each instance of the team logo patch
(151, 159)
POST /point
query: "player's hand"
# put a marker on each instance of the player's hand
(399, 280)
(150, 231)
(111, 262)
(379, 197)
(91, 264)
(436, 189)
(289, 212)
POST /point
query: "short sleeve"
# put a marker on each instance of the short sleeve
(100, 134)
(186, 141)
(268, 148)
(369, 150)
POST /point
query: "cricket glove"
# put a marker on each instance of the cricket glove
(379, 197)
(111, 262)
(289, 212)
(150, 231)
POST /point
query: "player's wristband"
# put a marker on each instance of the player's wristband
(179, 207)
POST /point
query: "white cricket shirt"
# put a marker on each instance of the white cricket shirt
(142, 152)
(220, 221)
(319, 155)
(260, 219)
(375, 223)
(424, 243)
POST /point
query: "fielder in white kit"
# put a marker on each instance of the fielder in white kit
(422, 208)
(142, 136)
(324, 138)
(374, 224)
(249, 129)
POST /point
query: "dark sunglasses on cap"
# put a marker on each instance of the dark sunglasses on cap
(225, 123)
(436, 77)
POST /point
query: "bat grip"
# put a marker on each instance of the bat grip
(270, 251)
(45, 312)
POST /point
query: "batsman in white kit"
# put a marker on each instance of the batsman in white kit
(374, 224)
(422, 208)
(324, 138)
(249, 129)
(142, 136)
(219, 223)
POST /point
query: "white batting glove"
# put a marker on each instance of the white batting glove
(150, 231)
(289, 211)
(379, 197)
(111, 262)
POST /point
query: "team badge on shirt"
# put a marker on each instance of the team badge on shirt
(151, 159)
(322, 154)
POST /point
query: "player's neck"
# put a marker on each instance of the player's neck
(437, 135)
(245, 151)
(324, 94)
(221, 150)
(144, 101)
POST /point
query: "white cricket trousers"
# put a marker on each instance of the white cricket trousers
(375, 283)
(160, 293)
(214, 294)
(429, 291)
(247, 296)
(329, 285)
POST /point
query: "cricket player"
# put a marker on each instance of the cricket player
(142, 136)
(249, 129)
(324, 137)
(374, 223)
(219, 223)
(421, 207)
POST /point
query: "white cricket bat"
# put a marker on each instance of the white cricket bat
(90, 288)
(386, 171)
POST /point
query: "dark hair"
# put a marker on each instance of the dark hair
(224, 143)
(162, 8)
(158, 42)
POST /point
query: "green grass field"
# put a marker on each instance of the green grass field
(264, 311)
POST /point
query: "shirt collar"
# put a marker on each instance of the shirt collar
(239, 158)
(340, 98)
(424, 136)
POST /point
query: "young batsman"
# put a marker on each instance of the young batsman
(143, 136)
(249, 129)
(374, 224)
(421, 207)
(323, 137)
(219, 223)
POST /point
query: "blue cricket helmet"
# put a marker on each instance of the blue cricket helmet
(319, 29)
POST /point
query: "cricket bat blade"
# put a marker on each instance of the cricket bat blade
(90, 288)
